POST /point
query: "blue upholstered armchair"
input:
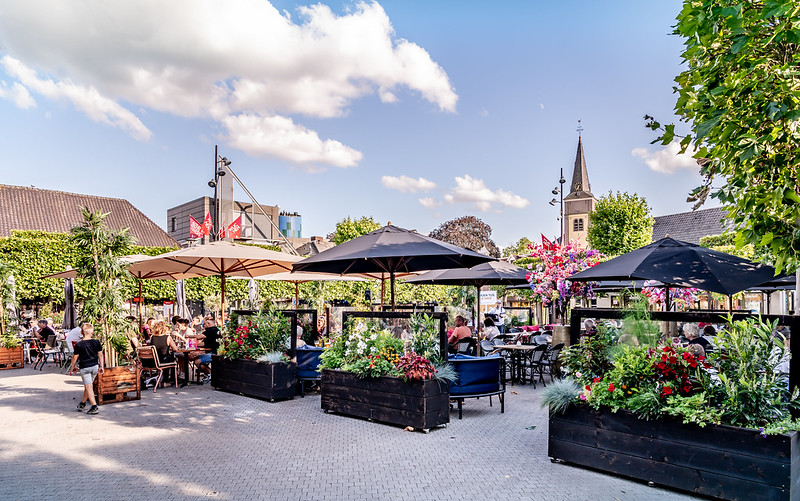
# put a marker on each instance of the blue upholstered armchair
(477, 377)
(307, 365)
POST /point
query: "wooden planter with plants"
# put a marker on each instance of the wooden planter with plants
(118, 384)
(721, 461)
(12, 358)
(419, 404)
(267, 380)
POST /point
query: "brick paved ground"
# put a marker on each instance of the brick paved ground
(199, 443)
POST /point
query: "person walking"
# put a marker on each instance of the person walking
(89, 356)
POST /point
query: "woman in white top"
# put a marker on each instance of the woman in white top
(489, 330)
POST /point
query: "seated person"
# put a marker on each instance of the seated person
(44, 331)
(489, 330)
(73, 337)
(460, 332)
(322, 329)
(209, 339)
(709, 330)
(589, 327)
(692, 333)
(165, 346)
(697, 350)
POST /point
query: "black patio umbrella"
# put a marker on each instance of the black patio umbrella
(491, 273)
(70, 312)
(391, 250)
(681, 264)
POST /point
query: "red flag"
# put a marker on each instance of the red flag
(207, 224)
(547, 244)
(195, 228)
(235, 229)
(222, 231)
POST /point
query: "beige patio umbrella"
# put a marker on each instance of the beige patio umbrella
(223, 259)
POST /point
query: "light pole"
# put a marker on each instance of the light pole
(218, 172)
(559, 190)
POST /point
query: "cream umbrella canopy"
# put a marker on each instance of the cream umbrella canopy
(223, 259)
(298, 278)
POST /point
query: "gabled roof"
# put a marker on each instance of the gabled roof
(691, 226)
(314, 247)
(580, 187)
(35, 209)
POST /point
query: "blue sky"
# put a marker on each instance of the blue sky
(407, 111)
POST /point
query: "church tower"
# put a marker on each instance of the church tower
(580, 201)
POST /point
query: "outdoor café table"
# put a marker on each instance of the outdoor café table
(182, 355)
(516, 351)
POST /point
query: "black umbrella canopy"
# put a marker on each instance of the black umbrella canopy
(491, 273)
(682, 264)
(391, 250)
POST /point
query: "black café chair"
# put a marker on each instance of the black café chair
(48, 349)
(532, 364)
(487, 346)
(550, 361)
(467, 346)
(148, 357)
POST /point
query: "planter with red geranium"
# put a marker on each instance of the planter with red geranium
(254, 357)
(717, 425)
(390, 376)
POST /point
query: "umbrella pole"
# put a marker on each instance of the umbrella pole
(383, 290)
(222, 296)
(140, 305)
(730, 303)
(391, 285)
(666, 298)
(297, 295)
(478, 312)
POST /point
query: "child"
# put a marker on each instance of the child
(89, 356)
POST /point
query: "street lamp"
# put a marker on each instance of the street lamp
(219, 164)
(559, 190)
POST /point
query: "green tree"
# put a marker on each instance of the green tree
(740, 95)
(8, 302)
(518, 249)
(468, 232)
(350, 228)
(620, 223)
(98, 261)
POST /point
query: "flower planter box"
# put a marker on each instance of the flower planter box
(254, 379)
(12, 358)
(118, 384)
(419, 404)
(721, 461)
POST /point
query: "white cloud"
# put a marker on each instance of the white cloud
(86, 99)
(407, 184)
(281, 137)
(666, 160)
(430, 202)
(18, 94)
(541, 106)
(218, 60)
(471, 190)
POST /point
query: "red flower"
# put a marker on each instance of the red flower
(611, 387)
(597, 379)
(588, 388)
(666, 391)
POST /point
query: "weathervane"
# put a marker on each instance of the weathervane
(580, 128)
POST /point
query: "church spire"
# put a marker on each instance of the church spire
(580, 176)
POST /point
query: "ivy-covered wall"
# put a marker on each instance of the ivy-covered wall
(33, 254)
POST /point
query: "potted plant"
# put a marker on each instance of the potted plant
(716, 425)
(370, 372)
(253, 359)
(11, 354)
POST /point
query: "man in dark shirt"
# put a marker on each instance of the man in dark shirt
(89, 356)
(44, 330)
(208, 339)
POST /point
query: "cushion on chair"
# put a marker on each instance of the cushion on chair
(476, 375)
(308, 362)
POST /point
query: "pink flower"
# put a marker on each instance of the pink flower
(583, 397)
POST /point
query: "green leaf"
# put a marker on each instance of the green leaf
(791, 195)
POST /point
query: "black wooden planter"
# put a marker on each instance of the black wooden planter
(721, 461)
(254, 379)
(420, 404)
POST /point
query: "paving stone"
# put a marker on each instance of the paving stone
(195, 443)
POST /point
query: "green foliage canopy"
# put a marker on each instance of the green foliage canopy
(620, 223)
(740, 93)
(350, 228)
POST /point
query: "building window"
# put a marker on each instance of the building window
(173, 225)
(577, 225)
